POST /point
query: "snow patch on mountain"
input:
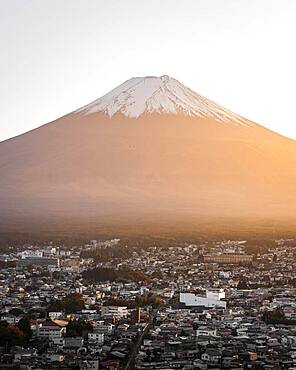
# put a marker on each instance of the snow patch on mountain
(144, 95)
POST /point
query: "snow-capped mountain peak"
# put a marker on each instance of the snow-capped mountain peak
(146, 95)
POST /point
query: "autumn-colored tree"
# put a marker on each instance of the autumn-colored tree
(10, 335)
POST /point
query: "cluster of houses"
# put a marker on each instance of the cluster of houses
(231, 338)
(197, 308)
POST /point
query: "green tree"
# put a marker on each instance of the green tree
(73, 303)
(70, 304)
(78, 328)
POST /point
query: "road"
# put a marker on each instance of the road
(131, 362)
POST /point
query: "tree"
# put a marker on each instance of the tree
(78, 328)
(10, 335)
(73, 303)
(157, 275)
(70, 304)
(25, 326)
(37, 313)
(276, 316)
(274, 259)
(54, 306)
(16, 312)
(110, 274)
(243, 285)
(149, 300)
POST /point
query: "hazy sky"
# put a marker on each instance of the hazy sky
(57, 55)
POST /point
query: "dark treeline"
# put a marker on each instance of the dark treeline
(70, 304)
(15, 335)
(108, 274)
(259, 246)
(78, 328)
(7, 264)
(106, 254)
(277, 316)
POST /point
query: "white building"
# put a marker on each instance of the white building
(51, 330)
(10, 319)
(204, 330)
(211, 300)
(55, 315)
(103, 328)
(96, 338)
(30, 254)
(55, 357)
(118, 312)
(215, 294)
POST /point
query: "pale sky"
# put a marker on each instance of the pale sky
(57, 55)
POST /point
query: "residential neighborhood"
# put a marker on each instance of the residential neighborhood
(110, 305)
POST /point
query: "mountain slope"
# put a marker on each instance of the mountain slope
(151, 151)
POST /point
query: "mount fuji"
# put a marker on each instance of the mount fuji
(150, 156)
(164, 95)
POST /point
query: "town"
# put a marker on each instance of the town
(113, 304)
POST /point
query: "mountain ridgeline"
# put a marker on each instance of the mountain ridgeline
(149, 157)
